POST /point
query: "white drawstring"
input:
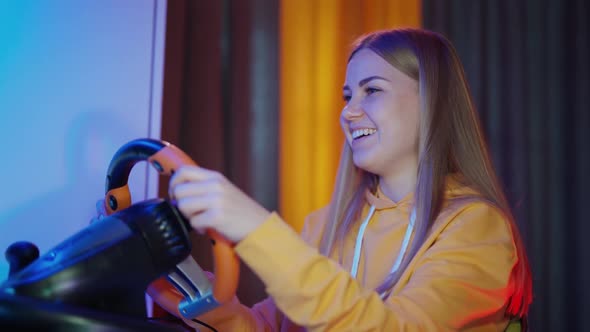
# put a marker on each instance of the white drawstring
(359, 242)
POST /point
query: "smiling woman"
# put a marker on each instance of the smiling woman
(380, 121)
(418, 235)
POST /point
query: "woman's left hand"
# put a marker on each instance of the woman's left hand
(209, 200)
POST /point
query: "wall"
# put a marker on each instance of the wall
(78, 79)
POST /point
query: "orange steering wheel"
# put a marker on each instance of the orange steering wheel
(166, 158)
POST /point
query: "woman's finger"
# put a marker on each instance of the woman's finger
(199, 188)
(191, 173)
(192, 206)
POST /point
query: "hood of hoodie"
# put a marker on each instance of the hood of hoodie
(455, 188)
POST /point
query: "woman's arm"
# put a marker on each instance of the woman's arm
(264, 316)
(461, 282)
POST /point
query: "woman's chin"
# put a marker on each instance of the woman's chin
(363, 162)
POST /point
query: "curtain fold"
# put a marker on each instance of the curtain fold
(220, 101)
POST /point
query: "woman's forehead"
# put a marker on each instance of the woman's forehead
(366, 63)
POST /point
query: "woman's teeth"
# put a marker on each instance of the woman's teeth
(362, 132)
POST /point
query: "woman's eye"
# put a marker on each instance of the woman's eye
(370, 91)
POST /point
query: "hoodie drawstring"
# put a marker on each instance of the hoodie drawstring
(359, 242)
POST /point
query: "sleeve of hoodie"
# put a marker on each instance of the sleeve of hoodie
(263, 316)
(462, 280)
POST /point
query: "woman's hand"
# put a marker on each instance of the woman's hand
(209, 200)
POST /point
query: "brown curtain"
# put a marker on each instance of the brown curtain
(220, 101)
(527, 63)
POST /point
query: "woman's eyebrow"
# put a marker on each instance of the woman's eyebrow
(366, 80)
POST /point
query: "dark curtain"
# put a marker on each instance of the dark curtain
(220, 102)
(527, 65)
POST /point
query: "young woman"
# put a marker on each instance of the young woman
(418, 235)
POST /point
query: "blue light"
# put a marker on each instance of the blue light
(75, 85)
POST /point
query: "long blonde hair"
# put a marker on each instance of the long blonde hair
(450, 141)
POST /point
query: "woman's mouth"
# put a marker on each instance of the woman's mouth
(362, 133)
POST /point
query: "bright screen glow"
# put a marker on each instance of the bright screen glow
(76, 83)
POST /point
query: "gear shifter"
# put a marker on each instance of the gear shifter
(19, 255)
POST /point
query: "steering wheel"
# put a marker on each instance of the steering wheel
(186, 291)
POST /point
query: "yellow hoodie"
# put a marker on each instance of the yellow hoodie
(458, 280)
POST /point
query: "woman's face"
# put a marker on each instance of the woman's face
(381, 116)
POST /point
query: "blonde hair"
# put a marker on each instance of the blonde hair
(450, 141)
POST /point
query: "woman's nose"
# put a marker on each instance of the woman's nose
(352, 111)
